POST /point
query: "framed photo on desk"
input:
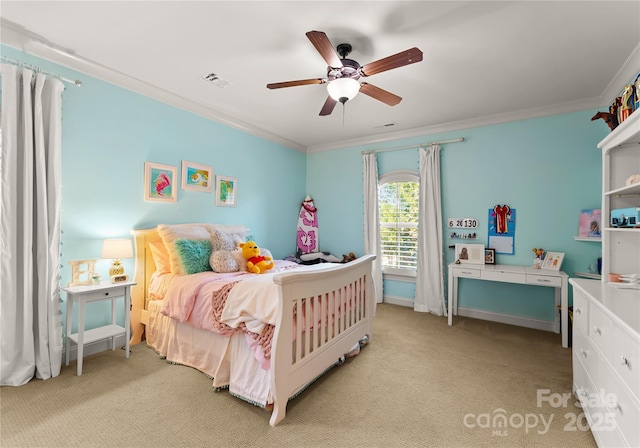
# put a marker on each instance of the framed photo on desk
(553, 261)
(470, 253)
(489, 256)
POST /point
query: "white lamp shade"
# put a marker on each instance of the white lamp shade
(117, 249)
(343, 88)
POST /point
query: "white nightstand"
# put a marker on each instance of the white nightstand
(93, 293)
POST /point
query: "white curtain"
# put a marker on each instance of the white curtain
(372, 219)
(30, 317)
(429, 277)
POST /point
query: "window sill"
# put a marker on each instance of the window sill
(409, 278)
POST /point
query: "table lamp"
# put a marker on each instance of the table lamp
(116, 249)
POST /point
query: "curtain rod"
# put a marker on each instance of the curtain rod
(454, 140)
(76, 82)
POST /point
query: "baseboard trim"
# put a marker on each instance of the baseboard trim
(528, 322)
(394, 300)
(93, 348)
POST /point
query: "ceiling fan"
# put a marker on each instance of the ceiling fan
(343, 74)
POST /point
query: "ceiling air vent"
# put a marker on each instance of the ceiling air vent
(216, 80)
(386, 125)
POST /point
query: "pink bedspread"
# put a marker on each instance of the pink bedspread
(227, 303)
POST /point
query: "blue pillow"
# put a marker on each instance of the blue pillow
(193, 255)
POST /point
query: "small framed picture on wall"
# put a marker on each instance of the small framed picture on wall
(160, 182)
(197, 177)
(226, 191)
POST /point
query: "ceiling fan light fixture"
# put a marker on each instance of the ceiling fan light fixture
(343, 89)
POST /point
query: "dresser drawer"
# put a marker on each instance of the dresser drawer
(585, 391)
(625, 358)
(600, 329)
(622, 405)
(580, 313)
(584, 351)
(507, 277)
(468, 272)
(102, 295)
(544, 280)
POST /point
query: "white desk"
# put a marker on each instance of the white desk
(513, 274)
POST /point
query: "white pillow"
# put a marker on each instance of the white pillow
(237, 233)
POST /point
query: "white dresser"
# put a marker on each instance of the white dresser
(606, 360)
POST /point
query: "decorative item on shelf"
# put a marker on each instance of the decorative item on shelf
(95, 279)
(628, 281)
(609, 118)
(538, 257)
(116, 249)
(625, 217)
(82, 272)
(637, 92)
(464, 236)
(633, 179)
(627, 102)
(589, 224)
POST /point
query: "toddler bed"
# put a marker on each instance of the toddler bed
(264, 336)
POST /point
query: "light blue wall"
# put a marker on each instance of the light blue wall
(548, 169)
(109, 132)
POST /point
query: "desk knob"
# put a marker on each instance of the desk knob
(597, 330)
(624, 361)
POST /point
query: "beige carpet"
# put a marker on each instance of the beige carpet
(420, 383)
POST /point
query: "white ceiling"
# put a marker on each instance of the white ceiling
(484, 62)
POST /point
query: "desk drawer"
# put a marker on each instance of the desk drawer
(468, 273)
(102, 295)
(507, 277)
(544, 280)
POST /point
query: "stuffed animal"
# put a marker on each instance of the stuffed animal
(256, 263)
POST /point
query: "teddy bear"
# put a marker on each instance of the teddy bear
(256, 263)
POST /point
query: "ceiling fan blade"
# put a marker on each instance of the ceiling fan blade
(301, 82)
(328, 106)
(325, 48)
(380, 94)
(397, 60)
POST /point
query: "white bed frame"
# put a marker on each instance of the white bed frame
(294, 365)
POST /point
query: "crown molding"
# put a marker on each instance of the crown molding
(488, 120)
(23, 40)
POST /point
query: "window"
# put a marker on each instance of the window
(398, 195)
